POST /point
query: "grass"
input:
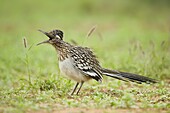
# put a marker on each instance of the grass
(125, 39)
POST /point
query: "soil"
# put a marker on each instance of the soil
(108, 110)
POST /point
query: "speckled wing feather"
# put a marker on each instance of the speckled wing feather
(85, 61)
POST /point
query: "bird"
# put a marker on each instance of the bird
(81, 64)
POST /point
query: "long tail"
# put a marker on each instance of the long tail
(127, 76)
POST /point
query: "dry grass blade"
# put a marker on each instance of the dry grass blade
(91, 31)
(162, 43)
(100, 35)
(74, 42)
(25, 42)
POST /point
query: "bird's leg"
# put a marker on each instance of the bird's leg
(80, 87)
(75, 88)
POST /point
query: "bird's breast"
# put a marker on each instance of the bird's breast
(67, 69)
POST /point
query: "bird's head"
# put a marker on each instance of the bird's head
(54, 36)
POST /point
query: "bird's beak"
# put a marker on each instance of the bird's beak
(43, 32)
(46, 41)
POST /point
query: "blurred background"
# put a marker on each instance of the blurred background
(126, 30)
(23, 18)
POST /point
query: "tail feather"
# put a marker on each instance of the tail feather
(128, 76)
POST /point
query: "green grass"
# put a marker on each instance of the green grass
(130, 36)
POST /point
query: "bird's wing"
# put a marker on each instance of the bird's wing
(85, 61)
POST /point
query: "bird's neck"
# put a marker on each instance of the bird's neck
(63, 50)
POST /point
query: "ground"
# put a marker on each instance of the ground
(81, 110)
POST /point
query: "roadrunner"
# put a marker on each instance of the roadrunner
(80, 64)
